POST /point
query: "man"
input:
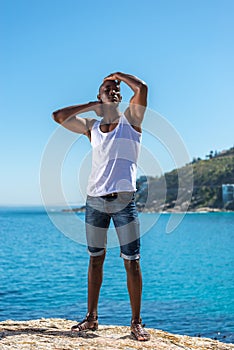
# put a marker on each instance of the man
(115, 140)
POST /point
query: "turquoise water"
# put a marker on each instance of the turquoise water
(188, 274)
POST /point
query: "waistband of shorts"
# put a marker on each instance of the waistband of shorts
(113, 194)
(110, 195)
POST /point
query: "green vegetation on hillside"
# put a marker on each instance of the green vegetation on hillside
(208, 177)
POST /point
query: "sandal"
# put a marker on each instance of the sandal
(138, 331)
(89, 323)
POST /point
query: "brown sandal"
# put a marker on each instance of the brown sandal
(89, 323)
(137, 329)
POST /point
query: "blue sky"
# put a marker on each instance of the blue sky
(56, 53)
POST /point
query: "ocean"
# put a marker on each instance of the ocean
(187, 274)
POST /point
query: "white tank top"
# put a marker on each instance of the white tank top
(114, 159)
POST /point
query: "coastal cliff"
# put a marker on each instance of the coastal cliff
(55, 334)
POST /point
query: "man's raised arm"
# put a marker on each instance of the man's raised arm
(138, 102)
(68, 118)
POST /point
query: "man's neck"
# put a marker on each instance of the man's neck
(110, 114)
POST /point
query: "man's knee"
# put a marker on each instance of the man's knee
(97, 261)
(132, 266)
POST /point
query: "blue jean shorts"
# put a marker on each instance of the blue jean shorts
(121, 208)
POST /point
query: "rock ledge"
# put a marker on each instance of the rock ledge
(55, 334)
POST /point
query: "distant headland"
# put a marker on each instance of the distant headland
(210, 177)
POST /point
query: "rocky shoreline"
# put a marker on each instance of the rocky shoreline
(55, 334)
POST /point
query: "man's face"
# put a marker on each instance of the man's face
(109, 92)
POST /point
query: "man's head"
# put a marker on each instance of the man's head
(109, 92)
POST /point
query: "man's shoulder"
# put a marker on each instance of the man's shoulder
(90, 122)
(134, 123)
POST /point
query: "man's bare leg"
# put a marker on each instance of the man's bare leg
(134, 283)
(95, 276)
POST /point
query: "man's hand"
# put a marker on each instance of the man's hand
(113, 76)
(98, 108)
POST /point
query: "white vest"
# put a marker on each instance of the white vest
(114, 159)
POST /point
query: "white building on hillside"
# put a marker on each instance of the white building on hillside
(228, 193)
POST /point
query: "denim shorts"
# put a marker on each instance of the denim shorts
(121, 208)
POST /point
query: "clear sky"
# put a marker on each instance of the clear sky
(56, 53)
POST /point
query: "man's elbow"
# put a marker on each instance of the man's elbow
(142, 88)
(57, 116)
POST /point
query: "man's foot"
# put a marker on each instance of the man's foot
(137, 329)
(89, 323)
